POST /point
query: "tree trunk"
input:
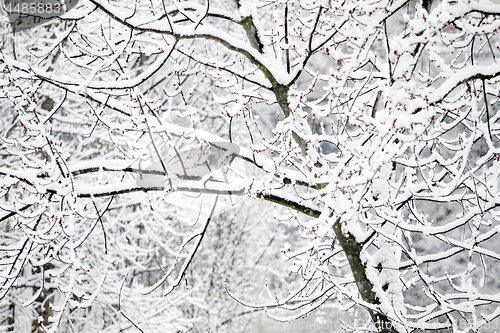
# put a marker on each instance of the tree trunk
(352, 249)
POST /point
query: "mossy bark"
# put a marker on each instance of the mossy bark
(252, 33)
(352, 249)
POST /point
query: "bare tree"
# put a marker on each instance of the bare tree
(374, 125)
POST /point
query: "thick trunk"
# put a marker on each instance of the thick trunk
(352, 249)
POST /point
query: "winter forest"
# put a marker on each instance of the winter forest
(189, 165)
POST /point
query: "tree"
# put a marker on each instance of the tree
(373, 124)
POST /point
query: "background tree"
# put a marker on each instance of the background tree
(372, 124)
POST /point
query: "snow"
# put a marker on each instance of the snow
(461, 76)
(121, 169)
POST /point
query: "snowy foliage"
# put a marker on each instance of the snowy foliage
(132, 130)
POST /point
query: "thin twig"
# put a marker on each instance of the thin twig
(154, 145)
(487, 109)
(391, 79)
(204, 16)
(287, 51)
(120, 307)
(99, 216)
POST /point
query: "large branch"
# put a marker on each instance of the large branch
(194, 187)
(462, 76)
(193, 32)
(353, 249)
(268, 68)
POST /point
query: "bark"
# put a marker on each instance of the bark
(353, 249)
